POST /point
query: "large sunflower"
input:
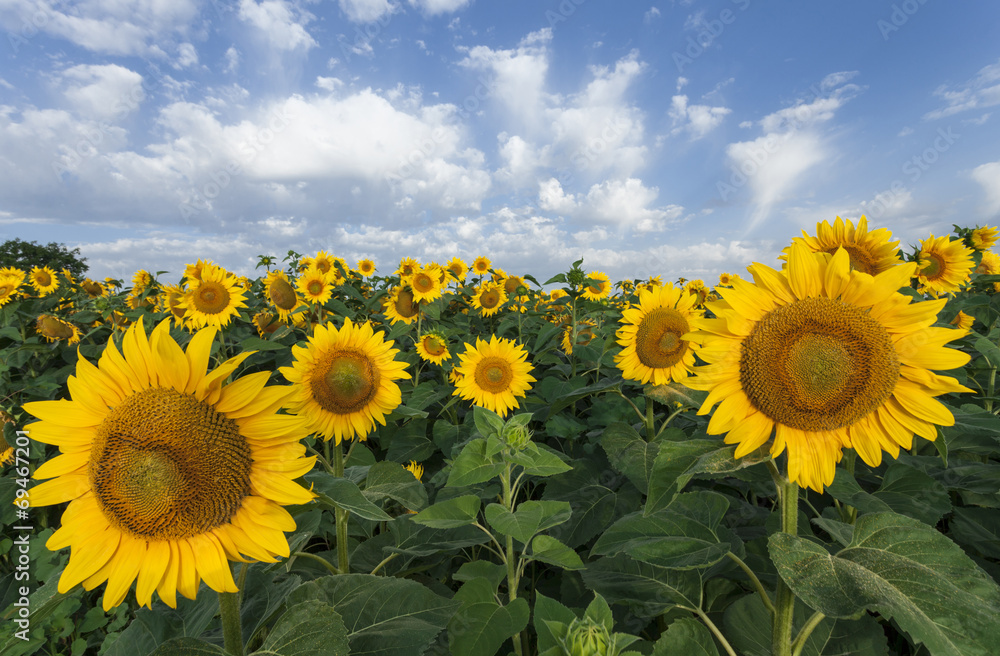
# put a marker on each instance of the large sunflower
(493, 373)
(9, 286)
(652, 336)
(213, 299)
(870, 252)
(457, 268)
(344, 380)
(425, 284)
(169, 472)
(44, 280)
(825, 358)
(945, 265)
(489, 298)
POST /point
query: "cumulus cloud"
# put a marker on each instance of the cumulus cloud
(366, 11)
(696, 120)
(279, 23)
(102, 91)
(988, 175)
(980, 92)
(436, 7)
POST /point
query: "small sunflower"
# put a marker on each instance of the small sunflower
(457, 268)
(584, 335)
(44, 280)
(266, 324)
(9, 286)
(425, 284)
(323, 261)
(193, 271)
(169, 472)
(481, 265)
(512, 283)
(141, 281)
(366, 267)
(433, 347)
(401, 306)
(489, 298)
(945, 265)
(824, 357)
(990, 265)
(414, 468)
(280, 294)
(870, 252)
(725, 279)
(494, 373)
(172, 301)
(93, 289)
(963, 321)
(652, 335)
(407, 267)
(344, 380)
(983, 238)
(213, 299)
(599, 289)
(54, 329)
(315, 286)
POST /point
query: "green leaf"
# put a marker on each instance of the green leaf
(539, 460)
(566, 400)
(495, 573)
(651, 590)
(549, 550)
(487, 422)
(686, 534)
(390, 479)
(979, 529)
(415, 540)
(905, 571)
(549, 610)
(309, 628)
(530, 517)
(839, 531)
(595, 506)
(686, 636)
(481, 625)
(472, 466)
(911, 492)
(976, 431)
(150, 628)
(630, 454)
(671, 467)
(337, 492)
(452, 513)
(188, 647)
(989, 350)
(385, 616)
(257, 344)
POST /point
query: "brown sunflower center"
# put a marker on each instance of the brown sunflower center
(489, 299)
(43, 278)
(315, 287)
(861, 259)
(282, 294)
(405, 307)
(658, 342)
(934, 267)
(423, 283)
(511, 284)
(211, 298)
(165, 465)
(455, 270)
(493, 374)
(345, 380)
(6, 288)
(818, 364)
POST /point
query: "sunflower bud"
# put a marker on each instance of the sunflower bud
(517, 436)
(587, 638)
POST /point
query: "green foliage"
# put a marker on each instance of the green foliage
(28, 254)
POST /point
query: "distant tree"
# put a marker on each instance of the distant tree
(28, 254)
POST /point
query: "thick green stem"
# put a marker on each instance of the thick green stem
(650, 420)
(232, 633)
(784, 607)
(343, 561)
(508, 502)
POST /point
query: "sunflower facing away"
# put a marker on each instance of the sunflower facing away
(652, 336)
(493, 374)
(53, 329)
(984, 237)
(400, 306)
(344, 380)
(281, 294)
(824, 358)
(433, 347)
(870, 252)
(213, 299)
(945, 265)
(169, 472)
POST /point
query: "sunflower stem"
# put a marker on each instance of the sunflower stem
(784, 607)
(805, 632)
(508, 502)
(650, 420)
(232, 633)
(764, 597)
(343, 561)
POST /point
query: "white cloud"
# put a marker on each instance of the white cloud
(102, 91)
(329, 83)
(626, 204)
(232, 60)
(186, 55)
(552, 198)
(696, 120)
(283, 28)
(367, 11)
(651, 14)
(435, 7)
(988, 175)
(980, 92)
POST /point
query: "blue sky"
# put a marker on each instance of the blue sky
(674, 138)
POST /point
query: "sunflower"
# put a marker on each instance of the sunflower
(281, 295)
(323, 261)
(990, 265)
(433, 347)
(416, 469)
(344, 380)
(366, 267)
(53, 329)
(725, 279)
(963, 321)
(945, 265)
(141, 281)
(13, 272)
(826, 358)
(93, 289)
(44, 280)
(481, 265)
(425, 283)
(652, 336)
(213, 299)
(193, 271)
(488, 298)
(400, 306)
(169, 472)
(266, 324)
(457, 268)
(9, 286)
(870, 252)
(584, 335)
(600, 289)
(983, 238)
(512, 283)
(315, 286)
(171, 301)
(407, 267)
(493, 374)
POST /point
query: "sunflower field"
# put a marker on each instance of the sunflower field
(445, 458)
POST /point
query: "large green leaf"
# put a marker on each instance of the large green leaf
(531, 517)
(595, 506)
(473, 466)
(481, 625)
(308, 628)
(188, 647)
(549, 610)
(904, 489)
(979, 529)
(152, 627)
(648, 589)
(547, 549)
(686, 534)
(539, 460)
(904, 570)
(336, 492)
(686, 636)
(630, 454)
(976, 431)
(416, 540)
(384, 616)
(390, 479)
(451, 513)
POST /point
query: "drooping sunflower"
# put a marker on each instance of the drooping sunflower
(93, 289)
(344, 380)
(171, 301)
(983, 238)
(481, 265)
(366, 267)
(871, 252)
(652, 335)
(825, 358)
(44, 280)
(315, 286)
(213, 299)
(193, 271)
(457, 268)
(433, 347)
(400, 306)
(425, 284)
(281, 295)
(945, 265)
(493, 374)
(489, 298)
(169, 472)
(141, 281)
(9, 286)
(597, 290)
(963, 321)
(53, 329)
(511, 284)
(266, 324)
